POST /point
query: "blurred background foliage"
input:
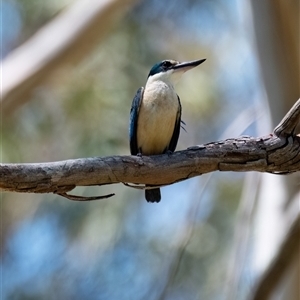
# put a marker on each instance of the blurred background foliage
(125, 248)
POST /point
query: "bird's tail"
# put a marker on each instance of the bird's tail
(153, 195)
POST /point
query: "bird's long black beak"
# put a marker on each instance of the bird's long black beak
(185, 66)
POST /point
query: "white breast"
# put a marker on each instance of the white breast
(157, 117)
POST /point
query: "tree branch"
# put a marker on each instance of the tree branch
(290, 121)
(277, 153)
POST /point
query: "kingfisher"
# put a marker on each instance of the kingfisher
(155, 115)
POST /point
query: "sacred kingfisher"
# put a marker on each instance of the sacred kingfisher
(155, 115)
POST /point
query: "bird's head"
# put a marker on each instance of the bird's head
(171, 70)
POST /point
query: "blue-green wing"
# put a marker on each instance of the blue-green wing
(136, 103)
(175, 136)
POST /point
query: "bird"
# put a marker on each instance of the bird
(155, 114)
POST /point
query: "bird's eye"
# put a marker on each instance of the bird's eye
(167, 64)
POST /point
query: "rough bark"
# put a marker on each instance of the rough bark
(277, 153)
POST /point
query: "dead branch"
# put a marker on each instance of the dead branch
(277, 153)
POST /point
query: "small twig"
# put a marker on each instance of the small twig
(82, 198)
(143, 187)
